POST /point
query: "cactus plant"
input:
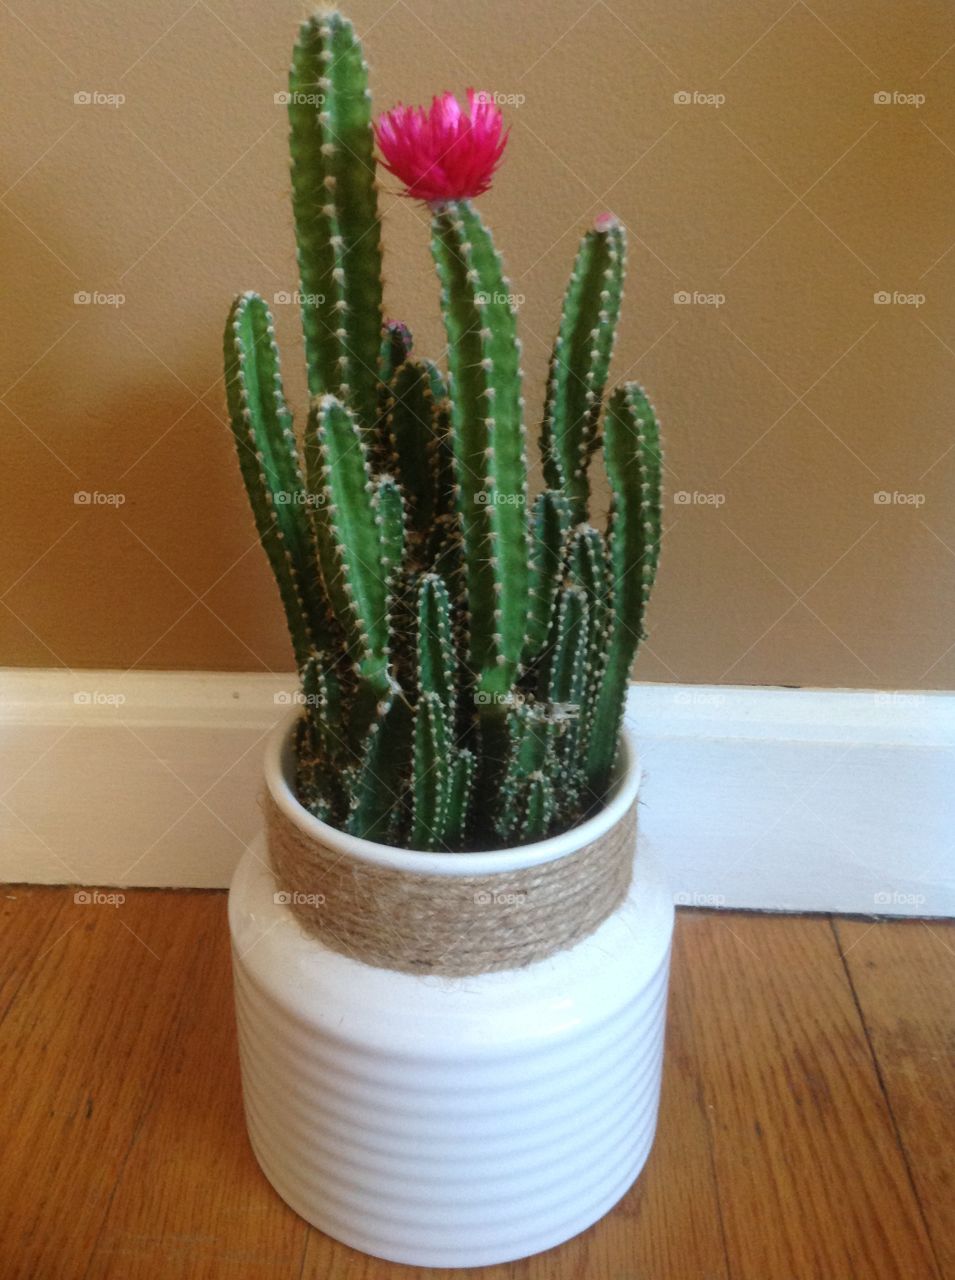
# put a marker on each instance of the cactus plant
(464, 654)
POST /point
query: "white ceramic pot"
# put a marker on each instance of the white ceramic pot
(450, 1122)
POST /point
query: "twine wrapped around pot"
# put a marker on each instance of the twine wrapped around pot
(443, 924)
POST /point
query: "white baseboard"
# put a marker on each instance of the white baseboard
(765, 798)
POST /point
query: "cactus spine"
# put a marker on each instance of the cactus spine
(463, 657)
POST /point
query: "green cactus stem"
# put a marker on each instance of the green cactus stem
(632, 454)
(532, 732)
(567, 668)
(395, 349)
(436, 657)
(335, 205)
(589, 567)
(430, 773)
(389, 515)
(488, 439)
(580, 362)
(539, 810)
(411, 430)
(349, 537)
(549, 521)
(460, 791)
(567, 691)
(268, 458)
(375, 782)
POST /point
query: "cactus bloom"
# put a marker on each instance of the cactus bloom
(447, 152)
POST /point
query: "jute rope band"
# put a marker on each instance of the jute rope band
(443, 924)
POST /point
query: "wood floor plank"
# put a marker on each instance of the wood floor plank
(79, 1049)
(903, 973)
(28, 926)
(667, 1226)
(813, 1185)
(192, 1203)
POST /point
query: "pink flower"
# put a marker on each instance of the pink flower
(447, 152)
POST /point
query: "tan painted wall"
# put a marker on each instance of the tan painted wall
(798, 198)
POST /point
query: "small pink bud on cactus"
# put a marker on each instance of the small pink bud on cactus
(605, 221)
(446, 152)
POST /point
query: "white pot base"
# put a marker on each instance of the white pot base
(457, 1255)
(450, 1122)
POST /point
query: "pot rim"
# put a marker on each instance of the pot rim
(279, 771)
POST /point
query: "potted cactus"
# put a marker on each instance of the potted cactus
(450, 971)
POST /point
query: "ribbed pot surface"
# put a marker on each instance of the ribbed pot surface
(450, 1122)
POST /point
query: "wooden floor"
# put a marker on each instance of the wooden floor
(807, 1126)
